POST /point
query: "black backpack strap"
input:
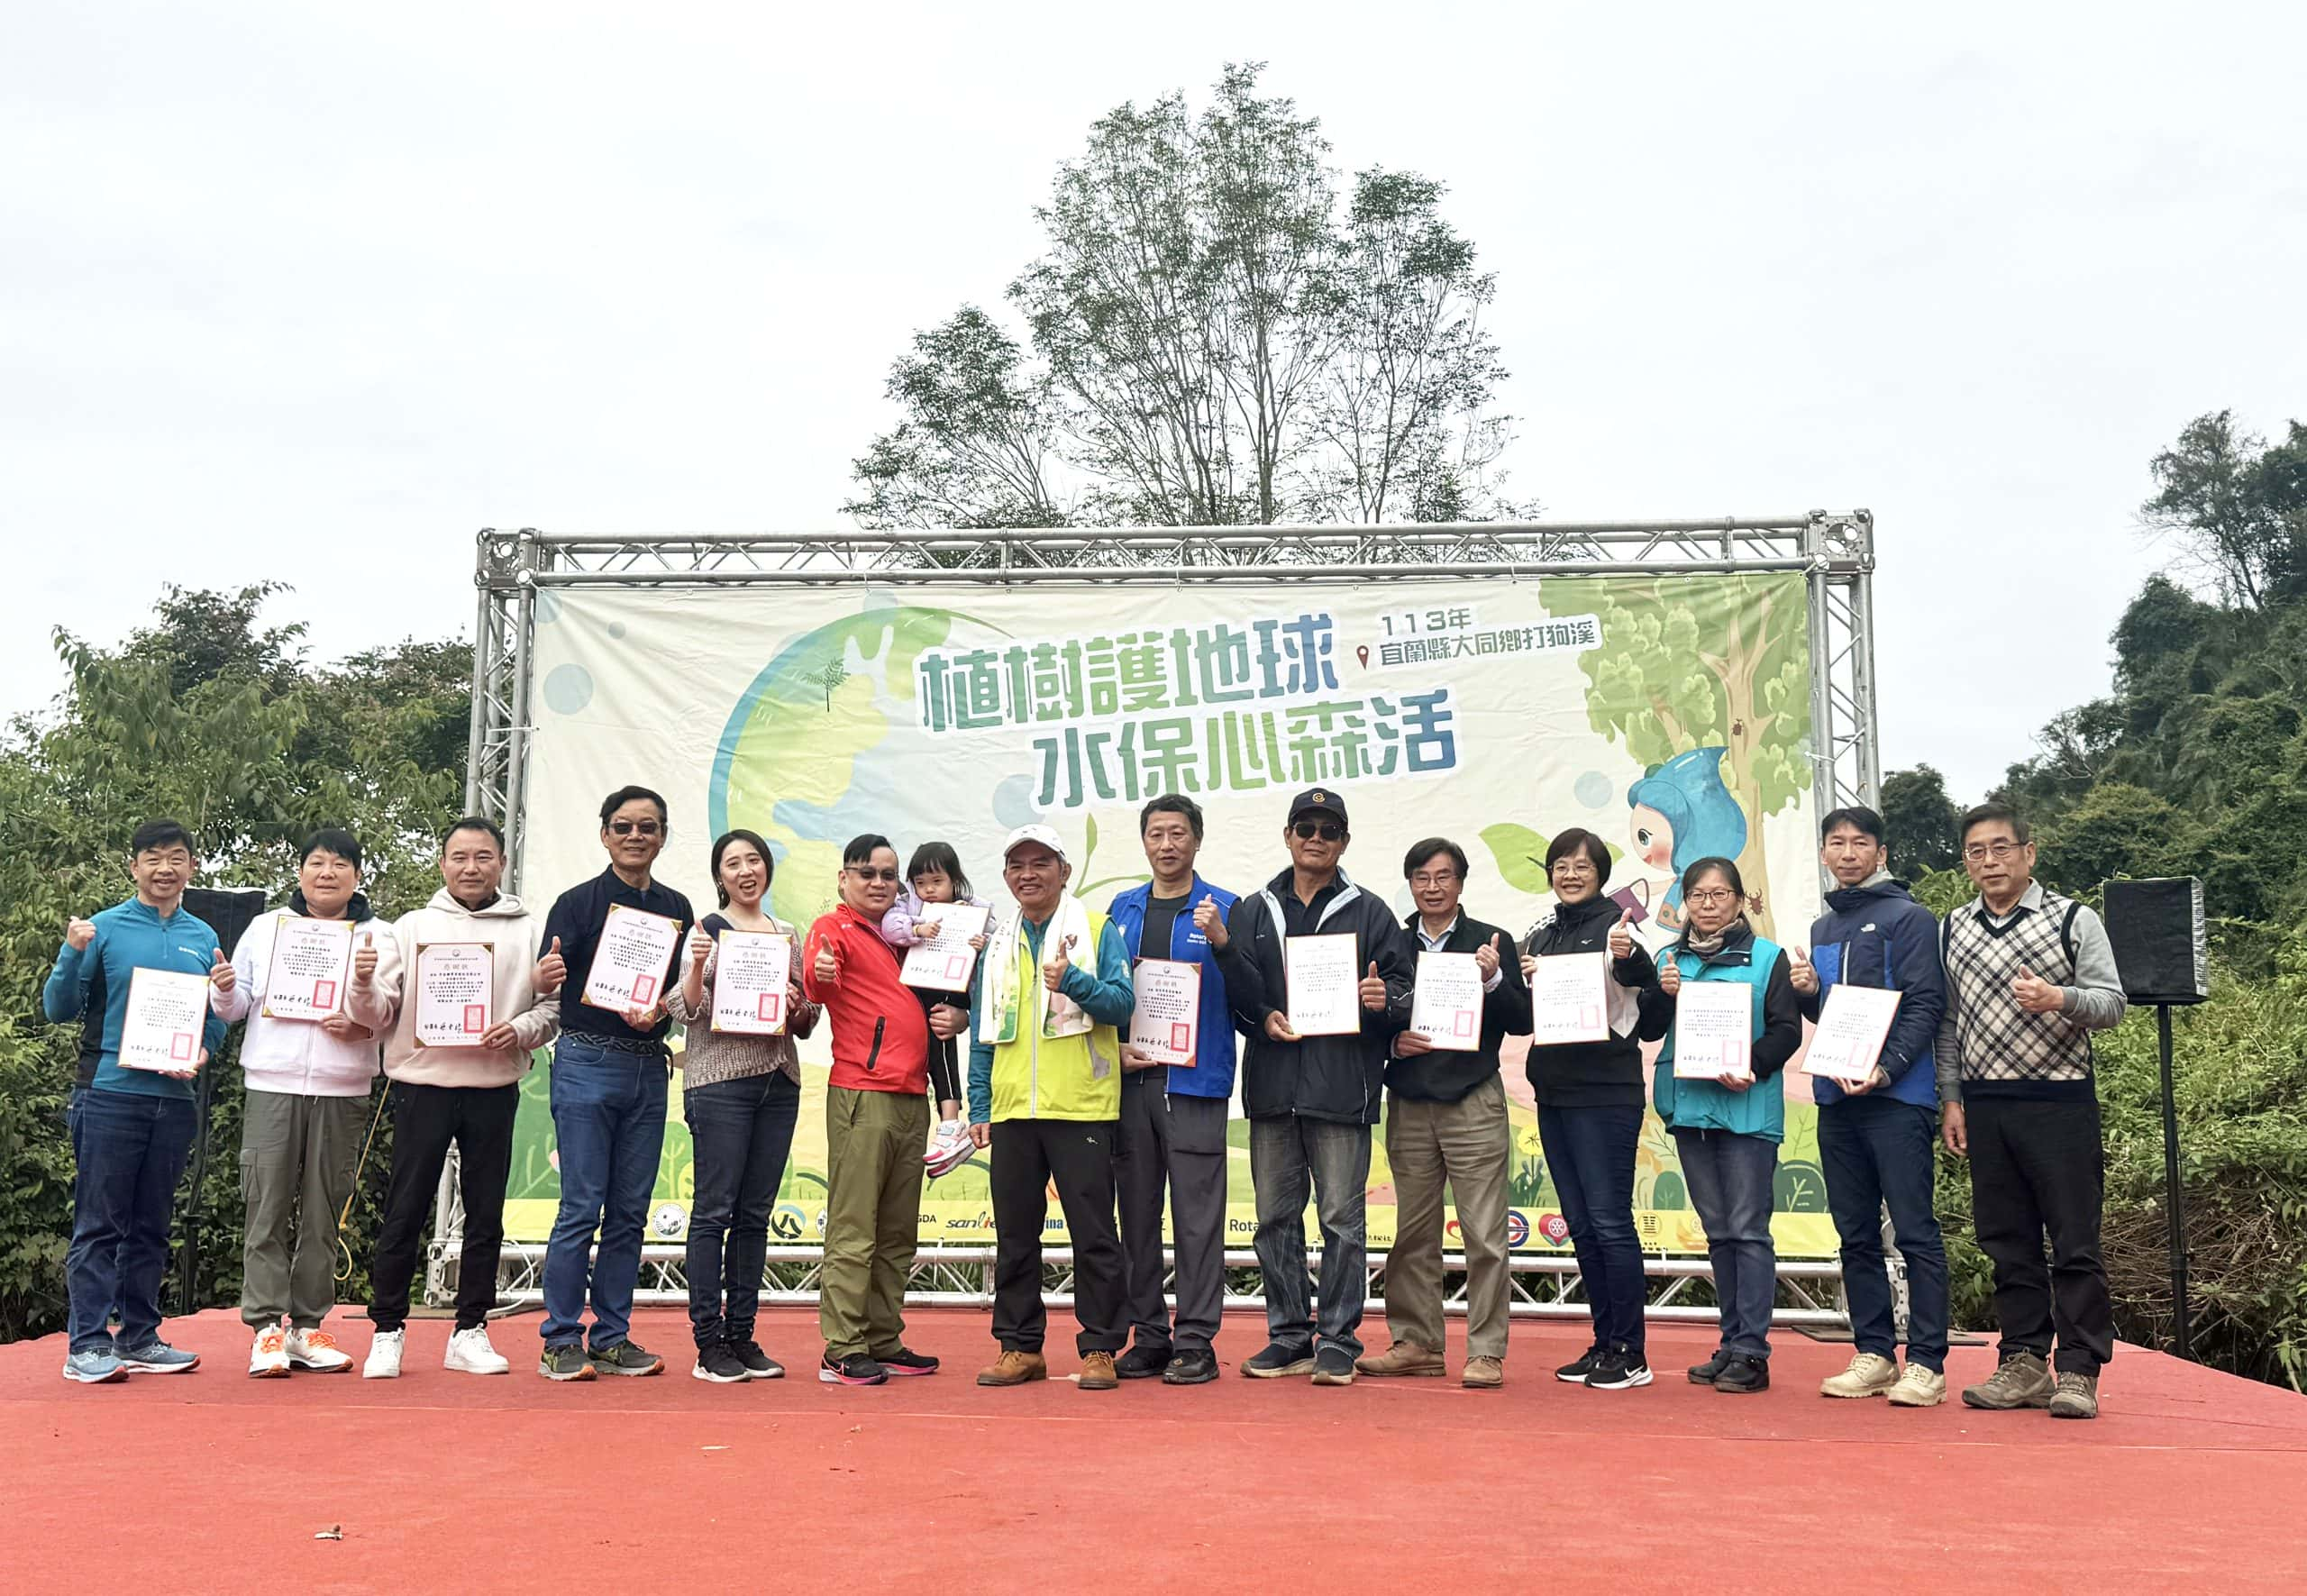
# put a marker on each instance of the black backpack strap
(2067, 932)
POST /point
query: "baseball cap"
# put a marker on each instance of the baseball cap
(1321, 801)
(1046, 835)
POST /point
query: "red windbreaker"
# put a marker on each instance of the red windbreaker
(880, 1033)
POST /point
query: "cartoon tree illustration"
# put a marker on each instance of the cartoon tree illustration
(829, 676)
(1704, 661)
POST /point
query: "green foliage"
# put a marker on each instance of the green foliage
(2237, 506)
(209, 718)
(1922, 821)
(1520, 855)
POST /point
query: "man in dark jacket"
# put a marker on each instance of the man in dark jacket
(1311, 1100)
(1447, 1121)
(1878, 1139)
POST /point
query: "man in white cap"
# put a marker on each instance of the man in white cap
(1046, 1095)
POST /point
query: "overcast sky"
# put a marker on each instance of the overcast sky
(311, 293)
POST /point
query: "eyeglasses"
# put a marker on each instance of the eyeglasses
(1433, 877)
(866, 872)
(1711, 895)
(2000, 848)
(1306, 831)
(629, 828)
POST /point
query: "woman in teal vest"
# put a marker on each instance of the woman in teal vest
(1727, 1121)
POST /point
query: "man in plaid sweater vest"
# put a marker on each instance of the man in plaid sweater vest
(2030, 976)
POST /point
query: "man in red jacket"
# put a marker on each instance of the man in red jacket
(876, 1118)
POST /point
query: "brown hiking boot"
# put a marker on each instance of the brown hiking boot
(1482, 1373)
(2077, 1397)
(1098, 1371)
(2023, 1382)
(1014, 1367)
(1403, 1358)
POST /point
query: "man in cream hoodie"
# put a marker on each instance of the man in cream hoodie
(462, 1088)
(307, 1104)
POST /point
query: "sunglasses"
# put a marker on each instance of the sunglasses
(866, 872)
(1306, 831)
(627, 828)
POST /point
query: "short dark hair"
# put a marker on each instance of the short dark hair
(625, 795)
(1419, 852)
(860, 850)
(160, 833)
(721, 845)
(1715, 864)
(1858, 816)
(1579, 840)
(475, 823)
(938, 856)
(332, 839)
(1989, 812)
(1170, 803)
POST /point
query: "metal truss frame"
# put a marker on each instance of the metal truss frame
(1833, 551)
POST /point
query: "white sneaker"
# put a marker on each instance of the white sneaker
(269, 1358)
(317, 1351)
(1870, 1374)
(949, 1149)
(470, 1353)
(384, 1357)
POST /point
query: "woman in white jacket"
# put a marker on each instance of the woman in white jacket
(462, 1088)
(307, 1104)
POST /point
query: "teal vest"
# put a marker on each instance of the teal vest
(1760, 1110)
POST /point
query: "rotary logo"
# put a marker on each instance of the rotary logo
(670, 1219)
(1554, 1228)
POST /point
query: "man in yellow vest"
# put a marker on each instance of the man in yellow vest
(1046, 1095)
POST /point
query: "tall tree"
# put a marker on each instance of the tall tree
(1922, 820)
(2237, 506)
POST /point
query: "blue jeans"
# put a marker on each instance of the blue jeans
(608, 1122)
(1729, 1179)
(741, 1130)
(1590, 1153)
(132, 1151)
(1288, 1153)
(1877, 1150)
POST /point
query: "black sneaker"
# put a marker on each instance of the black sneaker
(1619, 1368)
(626, 1357)
(759, 1365)
(719, 1364)
(1333, 1365)
(1197, 1366)
(565, 1363)
(1278, 1361)
(856, 1369)
(1705, 1374)
(905, 1361)
(1575, 1373)
(1741, 1376)
(1142, 1361)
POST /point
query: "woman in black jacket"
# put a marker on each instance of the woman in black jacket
(1589, 1101)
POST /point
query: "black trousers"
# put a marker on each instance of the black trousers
(1172, 1145)
(425, 1119)
(1078, 1156)
(2038, 1169)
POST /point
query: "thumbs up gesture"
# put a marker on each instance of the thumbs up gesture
(825, 969)
(1373, 990)
(1486, 958)
(221, 974)
(2036, 995)
(364, 960)
(78, 933)
(550, 971)
(1800, 974)
(1211, 923)
(700, 946)
(1670, 977)
(1622, 936)
(1053, 970)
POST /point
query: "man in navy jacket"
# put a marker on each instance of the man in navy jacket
(1174, 1120)
(1878, 1141)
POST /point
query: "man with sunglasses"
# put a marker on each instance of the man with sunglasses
(608, 1088)
(1311, 1100)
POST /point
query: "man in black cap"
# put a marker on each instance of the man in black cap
(1311, 1100)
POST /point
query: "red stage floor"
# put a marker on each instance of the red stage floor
(2192, 1480)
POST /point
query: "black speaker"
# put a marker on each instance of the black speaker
(2160, 947)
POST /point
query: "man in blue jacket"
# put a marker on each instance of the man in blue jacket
(1174, 1120)
(1878, 1141)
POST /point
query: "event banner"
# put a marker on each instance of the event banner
(1669, 715)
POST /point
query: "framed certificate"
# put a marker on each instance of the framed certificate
(1570, 1000)
(454, 993)
(943, 963)
(1714, 1029)
(305, 975)
(1852, 1025)
(750, 972)
(160, 1029)
(1324, 981)
(631, 960)
(1445, 1005)
(1165, 1023)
